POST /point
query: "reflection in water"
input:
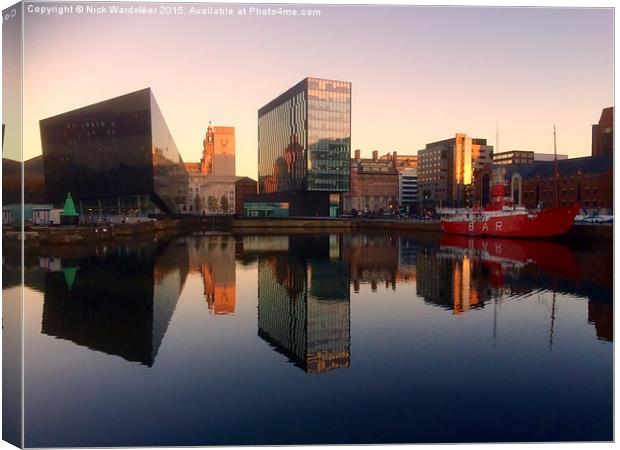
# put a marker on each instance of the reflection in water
(421, 308)
(468, 272)
(119, 303)
(214, 258)
(461, 273)
(373, 259)
(303, 300)
(121, 300)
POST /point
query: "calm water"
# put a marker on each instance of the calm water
(318, 339)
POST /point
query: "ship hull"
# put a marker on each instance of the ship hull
(535, 224)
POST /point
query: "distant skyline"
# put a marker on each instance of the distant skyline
(418, 74)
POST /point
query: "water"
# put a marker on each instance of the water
(366, 338)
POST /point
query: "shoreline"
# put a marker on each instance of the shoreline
(58, 236)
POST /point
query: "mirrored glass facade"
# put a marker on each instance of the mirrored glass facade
(304, 308)
(304, 138)
(117, 155)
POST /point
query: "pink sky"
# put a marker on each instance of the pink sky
(419, 74)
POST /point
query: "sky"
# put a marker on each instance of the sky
(418, 74)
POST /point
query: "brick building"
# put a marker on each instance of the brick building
(374, 185)
(524, 157)
(603, 134)
(243, 187)
(587, 181)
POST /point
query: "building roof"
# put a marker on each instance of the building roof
(244, 180)
(302, 85)
(101, 105)
(369, 166)
(586, 164)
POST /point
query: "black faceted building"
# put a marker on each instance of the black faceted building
(304, 147)
(115, 157)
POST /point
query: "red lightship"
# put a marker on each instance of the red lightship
(504, 219)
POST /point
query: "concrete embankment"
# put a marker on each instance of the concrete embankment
(66, 235)
(312, 225)
(70, 235)
(257, 225)
(300, 225)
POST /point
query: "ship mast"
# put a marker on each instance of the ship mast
(553, 310)
(556, 172)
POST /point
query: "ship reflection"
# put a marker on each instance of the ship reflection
(466, 273)
(304, 310)
(118, 302)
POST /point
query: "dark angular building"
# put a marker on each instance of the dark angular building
(304, 146)
(115, 157)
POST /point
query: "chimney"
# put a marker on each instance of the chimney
(357, 155)
(375, 155)
(394, 160)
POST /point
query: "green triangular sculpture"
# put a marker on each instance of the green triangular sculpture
(69, 207)
(70, 273)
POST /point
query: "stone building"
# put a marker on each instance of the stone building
(374, 185)
(403, 162)
(212, 180)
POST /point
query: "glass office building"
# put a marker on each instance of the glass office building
(116, 157)
(304, 141)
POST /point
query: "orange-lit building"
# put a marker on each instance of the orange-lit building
(218, 152)
(446, 170)
(212, 180)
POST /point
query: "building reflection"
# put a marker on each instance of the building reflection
(304, 308)
(214, 258)
(464, 273)
(119, 302)
(373, 259)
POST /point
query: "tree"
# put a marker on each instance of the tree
(198, 203)
(212, 203)
(224, 204)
